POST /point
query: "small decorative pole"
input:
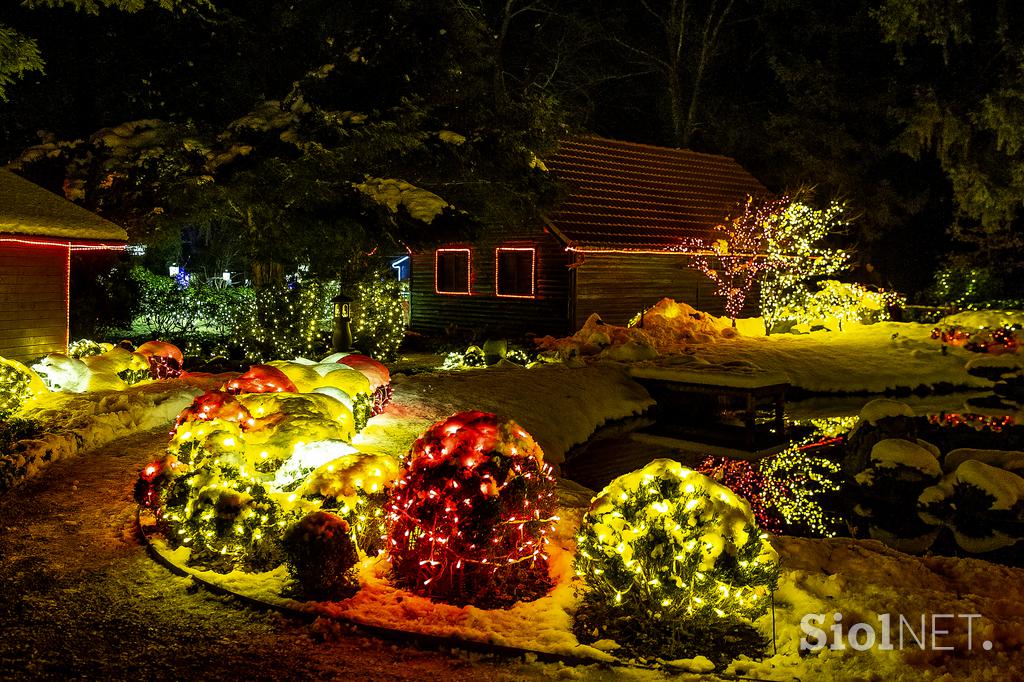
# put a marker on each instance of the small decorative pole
(341, 339)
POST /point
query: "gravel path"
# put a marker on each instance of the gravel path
(80, 599)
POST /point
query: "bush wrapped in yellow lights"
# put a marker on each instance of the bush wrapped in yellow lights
(672, 565)
(239, 463)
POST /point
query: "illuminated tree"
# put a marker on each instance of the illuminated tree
(794, 246)
(737, 251)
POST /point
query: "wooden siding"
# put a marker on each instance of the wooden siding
(483, 312)
(33, 316)
(618, 285)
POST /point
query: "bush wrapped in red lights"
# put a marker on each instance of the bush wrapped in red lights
(216, 405)
(165, 359)
(261, 379)
(472, 512)
(747, 481)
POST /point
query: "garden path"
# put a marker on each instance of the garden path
(80, 598)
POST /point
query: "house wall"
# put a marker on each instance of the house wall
(33, 313)
(483, 311)
(619, 285)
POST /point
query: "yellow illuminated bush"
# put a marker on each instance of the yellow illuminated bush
(673, 565)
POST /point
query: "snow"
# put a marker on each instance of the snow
(77, 422)
(883, 408)
(421, 204)
(893, 452)
(1004, 459)
(559, 406)
(859, 579)
(871, 358)
(691, 370)
(1006, 487)
(979, 319)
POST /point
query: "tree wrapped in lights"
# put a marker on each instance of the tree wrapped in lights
(673, 565)
(736, 253)
(281, 321)
(472, 512)
(793, 245)
(379, 321)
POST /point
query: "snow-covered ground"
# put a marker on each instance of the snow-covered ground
(861, 580)
(862, 358)
(559, 406)
(77, 422)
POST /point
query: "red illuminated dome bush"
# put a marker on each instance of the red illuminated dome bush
(216, 405)
(165, 359)
(378, 376)
(261, 379)
(471, 513)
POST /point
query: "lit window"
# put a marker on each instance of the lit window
(514, 272)
(451, 271)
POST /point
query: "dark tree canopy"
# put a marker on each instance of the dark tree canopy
(909, 110)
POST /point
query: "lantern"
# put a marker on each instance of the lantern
(341, 339)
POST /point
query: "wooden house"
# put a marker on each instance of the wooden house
(38, 233)
(615, 246)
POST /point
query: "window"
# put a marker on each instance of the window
(451, 271)
(514, 270)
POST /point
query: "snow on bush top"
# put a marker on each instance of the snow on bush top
(1004, 459)
(893, 452)
(984, 318)
(731, 512)
(344, 477)
(1006, 487)
(883, 408)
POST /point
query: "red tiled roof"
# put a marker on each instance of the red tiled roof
(625, 195)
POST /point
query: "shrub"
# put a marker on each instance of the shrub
(321, 555)
(673, 565)
(15, 388)
(471, 513)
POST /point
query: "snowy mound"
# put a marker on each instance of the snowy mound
(1012, 460)
(981, 319)
(883, 408)
(894, 452)
(666, 327)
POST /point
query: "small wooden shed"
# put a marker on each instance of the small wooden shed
(616, 245)
(38, 232)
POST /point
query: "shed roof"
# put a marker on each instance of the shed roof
(28, 209)
(630, 196)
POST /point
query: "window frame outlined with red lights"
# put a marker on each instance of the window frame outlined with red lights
(533, 271)
(469, 271)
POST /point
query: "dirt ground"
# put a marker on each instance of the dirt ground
(81, 599)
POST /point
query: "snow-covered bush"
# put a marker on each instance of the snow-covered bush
(471, 513)
(983, 505)
(356, 487)
(898, 473)
(165, 359)
(673, 565)
(321, 556)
